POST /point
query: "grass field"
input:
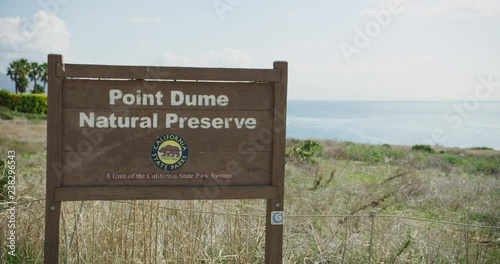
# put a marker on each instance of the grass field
(331, 190)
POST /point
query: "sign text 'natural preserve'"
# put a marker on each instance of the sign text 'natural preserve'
(165, 119)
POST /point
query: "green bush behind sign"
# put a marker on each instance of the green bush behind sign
(26, 103)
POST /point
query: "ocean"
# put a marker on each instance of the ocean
(462, 124)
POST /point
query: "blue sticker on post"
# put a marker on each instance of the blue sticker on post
(277, 218)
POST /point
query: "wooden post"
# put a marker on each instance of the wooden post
(54, 160)
(274, 233)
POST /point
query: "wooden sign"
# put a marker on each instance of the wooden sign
(139, 132)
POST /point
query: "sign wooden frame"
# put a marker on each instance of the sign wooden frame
(64, 186)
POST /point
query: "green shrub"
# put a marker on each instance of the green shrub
(373, 153)
(487, 165)
(5, 98)
(484, 165)
(34, 103)
(425, 148)
(5, 113)
(39, 89)
(307, 150)
(481, 148)
(26, 103)
(366, 153)
(452, 159)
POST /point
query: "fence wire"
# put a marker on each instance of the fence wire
(358, 238)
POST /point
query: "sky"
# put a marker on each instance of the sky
(336, 50)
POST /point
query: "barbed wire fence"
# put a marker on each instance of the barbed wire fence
(342, 241)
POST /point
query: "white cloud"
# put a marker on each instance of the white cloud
(145, 19)
(446, 8)
(227, 57)
(292, 13)
(32, 37)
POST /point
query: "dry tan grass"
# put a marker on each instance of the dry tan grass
(25, 130)
(319, 226)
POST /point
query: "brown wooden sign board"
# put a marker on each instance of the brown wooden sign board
(139, 132)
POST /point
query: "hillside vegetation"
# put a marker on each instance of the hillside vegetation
(332, 188)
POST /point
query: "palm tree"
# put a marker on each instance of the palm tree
(17, 72)
(44, 74)
(13, 74)
(23, 84)
(34, 74)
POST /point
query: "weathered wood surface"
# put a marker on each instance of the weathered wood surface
(274, 233)
(54, 158)
(170, 193)
(76, 138)
(248, 168)
(171, 73)
(242, 96)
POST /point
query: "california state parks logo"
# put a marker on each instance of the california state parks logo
(169, 152)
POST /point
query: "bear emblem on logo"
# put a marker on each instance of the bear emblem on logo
(169, 152)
